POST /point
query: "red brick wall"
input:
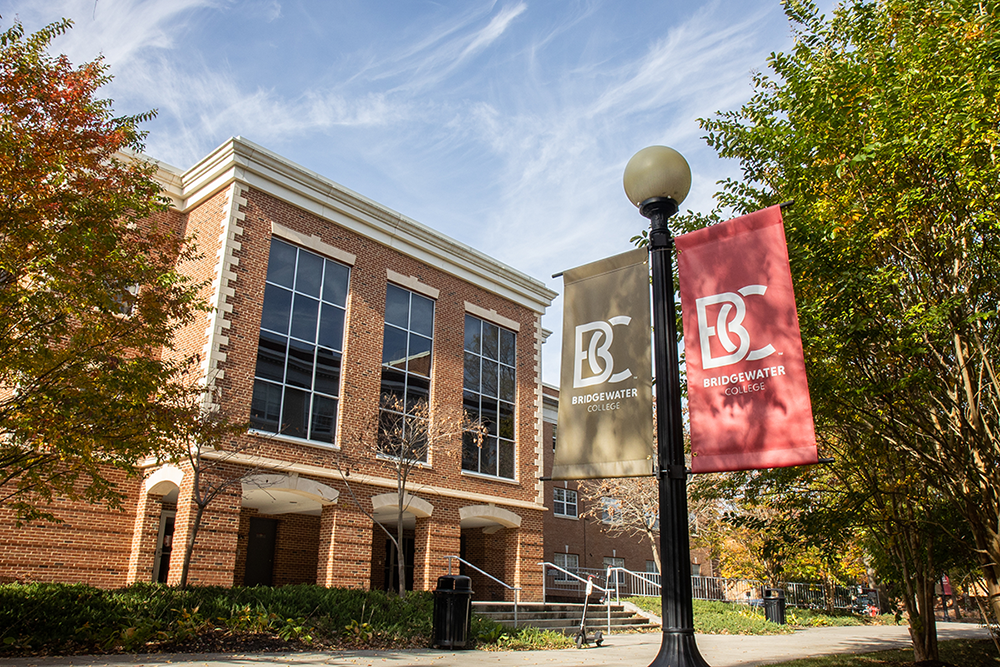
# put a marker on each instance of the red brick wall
(342, 546)
(92, 544)
(296, 548)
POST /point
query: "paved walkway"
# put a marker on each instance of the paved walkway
(627, 650)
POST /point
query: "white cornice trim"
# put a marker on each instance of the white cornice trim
(266, 463)
(254, 166)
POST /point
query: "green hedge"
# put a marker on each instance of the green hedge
(78, 618)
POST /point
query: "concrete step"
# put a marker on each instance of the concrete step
(563, 618)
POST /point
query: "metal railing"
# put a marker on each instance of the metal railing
(746, 591)
(568, 575)
(516, 589)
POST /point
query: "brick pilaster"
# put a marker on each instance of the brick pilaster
(345, 548)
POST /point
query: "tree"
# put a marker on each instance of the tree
(207, 442)
(89, 296)
(400, 439)
(882, 125)
(633, 510)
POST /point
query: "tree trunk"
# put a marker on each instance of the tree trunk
(401, 560)
(189, 546)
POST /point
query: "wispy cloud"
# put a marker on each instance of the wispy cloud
(518, 118)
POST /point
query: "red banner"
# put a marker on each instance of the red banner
(747, 392)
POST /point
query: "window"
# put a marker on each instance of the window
(651, 567)
(569, 562)
(615, 562)
(407, 344)
(490, 381)
(564, 502)
(297, 380)
(611, 510)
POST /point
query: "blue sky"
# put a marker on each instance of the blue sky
(503, 124)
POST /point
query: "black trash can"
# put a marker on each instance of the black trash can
(774, 605)
(453, 612)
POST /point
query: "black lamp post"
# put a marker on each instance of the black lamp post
(657, 180)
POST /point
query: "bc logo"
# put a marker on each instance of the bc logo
(729, 321)
(596, 351)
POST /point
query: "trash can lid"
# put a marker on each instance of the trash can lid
(774, 593)
(463, 583)
(447, 582)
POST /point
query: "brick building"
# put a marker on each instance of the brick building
(324, 302)
(584, 544)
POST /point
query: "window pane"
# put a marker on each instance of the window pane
(470, 453)
(490, 377)
(300, 365)
(271, 351)
(309, 275)
(506, 459)
(281, 263)
(421, 315)
(393, 386)
(507, 347)
(488, 413)
(265, 407)
(397, 306)
(506, 421)
(472, 334)
(472, 377)
(295, 413)
(418, 390)
(470, 402)
(491, 343)
(324, 419)
(277, 306)
(394, 347)
(335, 283)
(305, 313)
(420, 355)
(506, 384)
(328, 372)
(331, 327)
(416, 439)
(488, 457)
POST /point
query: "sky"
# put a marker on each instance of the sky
(503, 124)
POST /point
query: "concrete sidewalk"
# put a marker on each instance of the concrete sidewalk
(626, 650)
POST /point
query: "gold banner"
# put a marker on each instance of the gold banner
(605, 392)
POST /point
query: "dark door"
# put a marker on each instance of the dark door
(392, 564)
(164, 547)
(260, 552)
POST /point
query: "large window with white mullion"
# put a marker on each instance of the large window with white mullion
(407, 350)
(297, 378)
(490, 382)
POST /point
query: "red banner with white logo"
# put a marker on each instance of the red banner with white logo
(747, 391)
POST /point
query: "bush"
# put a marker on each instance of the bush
(59, 618)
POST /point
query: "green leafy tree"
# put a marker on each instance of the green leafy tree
(882, 125)
(89, 296)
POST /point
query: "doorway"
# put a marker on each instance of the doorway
(391, 570)
(164, 546)
(260, 552)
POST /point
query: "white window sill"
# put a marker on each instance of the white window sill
(492, 478)
(277, 437)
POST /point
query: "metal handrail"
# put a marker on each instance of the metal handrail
(607, 593)
(742, 591)
(517, 590)
(645, 577)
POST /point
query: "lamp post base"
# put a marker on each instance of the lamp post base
(678, 649)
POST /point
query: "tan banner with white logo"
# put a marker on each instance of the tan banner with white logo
(605, 392)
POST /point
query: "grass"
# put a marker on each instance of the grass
(958, 652)
(725, 618)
